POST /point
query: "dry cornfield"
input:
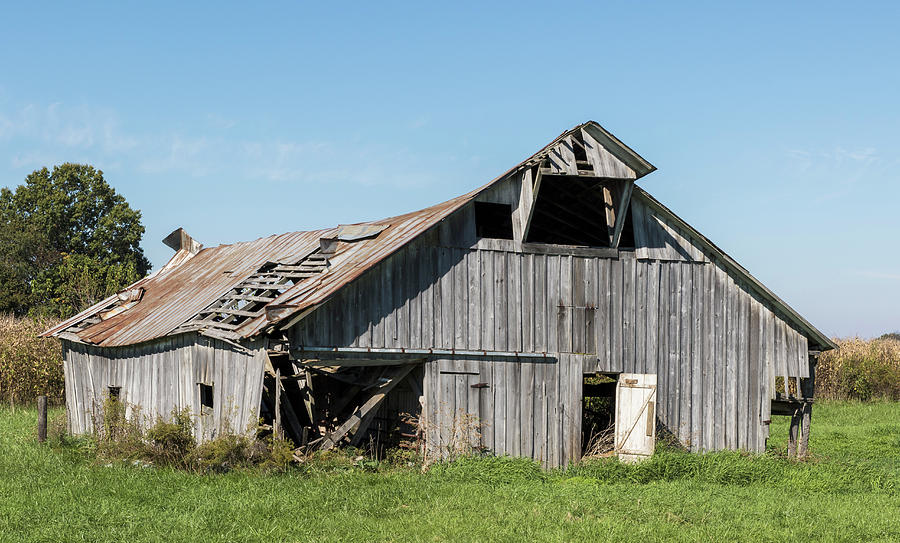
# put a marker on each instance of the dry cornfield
(29, 365)
(860, 369)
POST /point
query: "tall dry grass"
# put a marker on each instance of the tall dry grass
(29, 365)
(860, 369)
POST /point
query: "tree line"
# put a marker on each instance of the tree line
(67, 240)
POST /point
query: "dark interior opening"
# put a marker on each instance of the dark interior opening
(598, 415)
(114, 392)
(206, 395)
(626, 240)
(493, 220)
(570, 211)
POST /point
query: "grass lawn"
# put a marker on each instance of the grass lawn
(849, 492)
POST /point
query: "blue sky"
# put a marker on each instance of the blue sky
(775, 127)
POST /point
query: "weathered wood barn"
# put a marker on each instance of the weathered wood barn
(488, 319)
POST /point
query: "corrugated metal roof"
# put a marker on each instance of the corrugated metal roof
(174, 295)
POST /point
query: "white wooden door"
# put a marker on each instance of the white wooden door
(635, 416)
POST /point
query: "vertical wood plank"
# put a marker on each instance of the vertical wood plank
(602, 317)
(743, 367)
(616, 357)
(674, 344)
(488, 324)
(540, 302)
(527, 307)
(686, 352)
(461, 301)
(721, 357)
(662, 340)
(501, 304)
(501, 378)
(526, 409)
(473, 274)
(697, 354)
(628, 312)
(651, 361)
(514, 302)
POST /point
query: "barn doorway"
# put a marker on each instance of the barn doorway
(598, 414)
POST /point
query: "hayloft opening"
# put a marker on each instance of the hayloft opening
(493, 220)
(570, 210)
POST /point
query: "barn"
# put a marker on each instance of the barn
(494, 321)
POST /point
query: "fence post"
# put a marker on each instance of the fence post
(42, 419)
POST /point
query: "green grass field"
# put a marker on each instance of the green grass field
(849, 492)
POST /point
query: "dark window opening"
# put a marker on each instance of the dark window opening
(570, 211)
(579, 151)
(206, 395)
(493, 220)
(626, 240)
(598, 415)
(114, 392)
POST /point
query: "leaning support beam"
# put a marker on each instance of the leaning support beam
(367, 409)
(366, 422)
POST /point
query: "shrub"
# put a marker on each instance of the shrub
(860, 369)
(118, 436)
(171, 443)
(30, 366)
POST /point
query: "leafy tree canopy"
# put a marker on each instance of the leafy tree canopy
(67, 240)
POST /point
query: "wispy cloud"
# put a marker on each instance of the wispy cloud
(44, 135)
(834, 157)
(872, 274)
(837, 171)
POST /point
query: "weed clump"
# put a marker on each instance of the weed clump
(170, 442)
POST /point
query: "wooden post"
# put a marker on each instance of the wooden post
(42, 419)
(808, 389)
(803, 448)
(792, 436)
(279, 432)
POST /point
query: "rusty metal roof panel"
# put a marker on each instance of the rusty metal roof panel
(172, 297)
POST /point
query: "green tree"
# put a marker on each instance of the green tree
(67, 240)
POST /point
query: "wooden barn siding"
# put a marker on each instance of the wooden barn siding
(715, 346)
(161, 376)
(520, 407)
